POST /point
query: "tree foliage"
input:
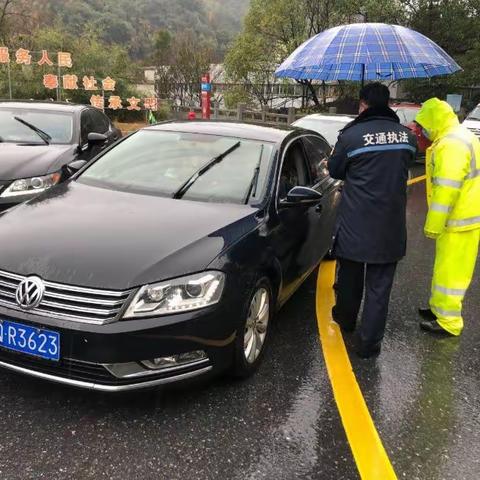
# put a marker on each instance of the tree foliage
(272, 30)
(133, 24)
(455, 26)
(183, 61)
(90, 57)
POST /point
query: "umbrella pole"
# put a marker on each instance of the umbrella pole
(363, 75)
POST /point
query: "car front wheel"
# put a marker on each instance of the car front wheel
(253, 337)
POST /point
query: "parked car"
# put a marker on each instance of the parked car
(37, 139)
(327, 125)
(472, 122)
(407, 113)
(166, 257)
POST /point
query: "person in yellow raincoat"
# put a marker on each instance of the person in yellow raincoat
(453, 219)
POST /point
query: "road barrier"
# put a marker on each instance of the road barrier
(243, 114)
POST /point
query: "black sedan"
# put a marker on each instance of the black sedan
(166, 257)
(37, 139)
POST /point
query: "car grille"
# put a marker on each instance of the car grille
(67, 368)
(68, 302)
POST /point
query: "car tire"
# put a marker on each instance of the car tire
(254, 333)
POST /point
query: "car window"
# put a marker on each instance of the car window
(294, 170)
(160, 163)
(58, 125)
(100, 122)
(327, 128)
(317, 152)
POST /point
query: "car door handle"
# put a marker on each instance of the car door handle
(319, 208)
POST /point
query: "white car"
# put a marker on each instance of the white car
(328, 126)
(472, 122)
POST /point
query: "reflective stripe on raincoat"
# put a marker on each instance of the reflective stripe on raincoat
(453, 171)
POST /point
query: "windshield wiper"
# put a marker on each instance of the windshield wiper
(183, 189)
(252, 189)
(43, 135)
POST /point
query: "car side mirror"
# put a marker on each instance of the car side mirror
(72, 168)
(299, 196)
(96, 139)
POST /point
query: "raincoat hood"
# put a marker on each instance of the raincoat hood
(437, 118)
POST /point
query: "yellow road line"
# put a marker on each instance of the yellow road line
(367, 448)
(416, 180)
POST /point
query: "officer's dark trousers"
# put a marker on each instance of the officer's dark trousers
(376, 281)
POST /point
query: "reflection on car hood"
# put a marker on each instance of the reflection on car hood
(24, 161)
(89, 236)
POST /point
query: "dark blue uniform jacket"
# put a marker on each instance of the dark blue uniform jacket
(373, 155)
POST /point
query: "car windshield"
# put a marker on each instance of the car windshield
(161, 162)
(58, 125)
(406, 115)
(328, 128)
(474, 114)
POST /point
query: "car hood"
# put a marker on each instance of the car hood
(24, 161)
(89, 236)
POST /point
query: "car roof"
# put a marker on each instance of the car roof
(247, 131)
(405, 105)
(39, 105)
(329, 117)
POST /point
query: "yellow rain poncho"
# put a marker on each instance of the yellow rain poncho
(453, 194)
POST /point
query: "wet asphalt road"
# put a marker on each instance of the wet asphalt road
(423, 394)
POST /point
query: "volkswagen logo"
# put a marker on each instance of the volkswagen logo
(30, 292)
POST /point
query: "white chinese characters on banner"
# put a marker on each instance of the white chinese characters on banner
(384, 138)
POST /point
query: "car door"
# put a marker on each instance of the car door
(293, 237)
(323, 223)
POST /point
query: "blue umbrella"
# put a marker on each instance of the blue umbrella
(367, 51)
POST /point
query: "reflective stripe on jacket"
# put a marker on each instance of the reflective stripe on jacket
(453, 171)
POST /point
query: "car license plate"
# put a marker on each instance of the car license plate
(30, 340)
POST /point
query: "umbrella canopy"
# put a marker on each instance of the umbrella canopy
(367, 51)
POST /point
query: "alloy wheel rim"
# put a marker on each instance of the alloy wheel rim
(257, 325)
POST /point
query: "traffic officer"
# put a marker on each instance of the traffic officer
(372, 156)
(453, 219)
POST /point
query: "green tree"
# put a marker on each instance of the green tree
(162, 47)
(455, 26)
(181, 66)
(90, 57)
(274, 29)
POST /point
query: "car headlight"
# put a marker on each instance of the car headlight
(33, 186)
(178, 295)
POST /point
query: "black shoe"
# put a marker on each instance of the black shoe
(368, 351)
(433, 326)
(344, 328)
(427, 314)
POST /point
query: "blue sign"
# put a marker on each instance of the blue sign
(206, 87)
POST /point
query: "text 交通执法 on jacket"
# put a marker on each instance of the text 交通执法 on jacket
(372, 156)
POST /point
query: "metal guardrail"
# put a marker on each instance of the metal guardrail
(243, 114)
(240, 114)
